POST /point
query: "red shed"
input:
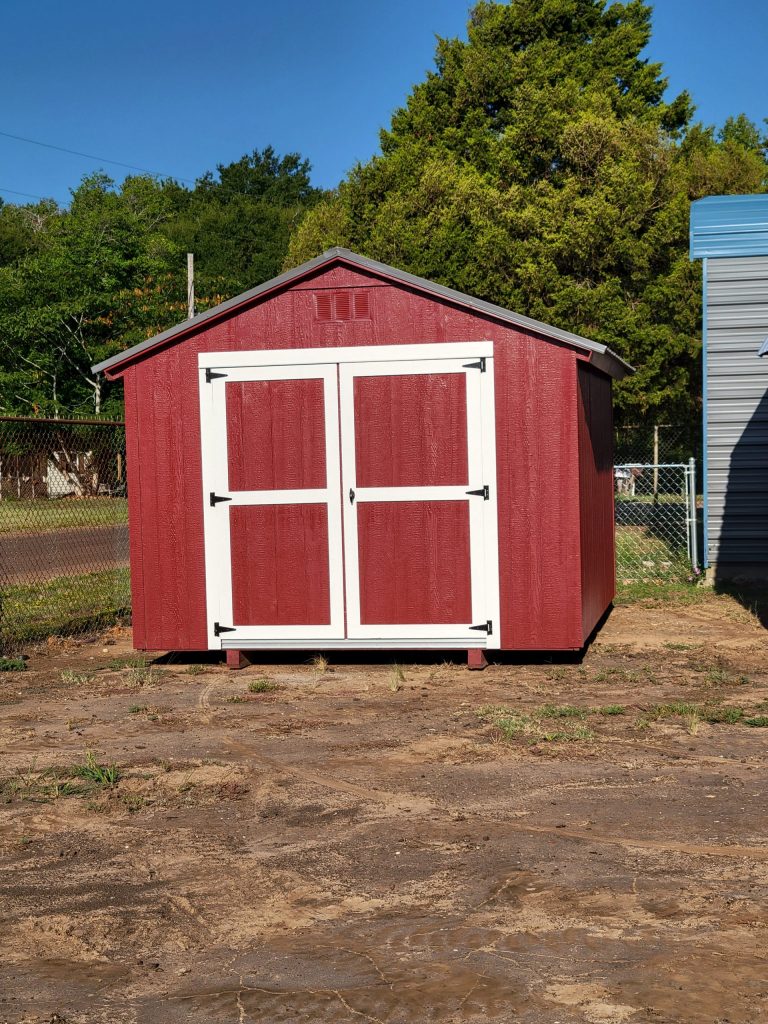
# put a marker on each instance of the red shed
(349, 456)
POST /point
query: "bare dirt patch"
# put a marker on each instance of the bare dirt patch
(541, 842)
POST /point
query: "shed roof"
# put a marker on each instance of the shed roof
(724, 226)
(601, 356)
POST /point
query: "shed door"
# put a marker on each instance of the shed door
(272, 502)
(419, 495)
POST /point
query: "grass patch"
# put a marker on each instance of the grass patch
(757, 722)
(99, 774)
(48, 514)
(535, 727)
(132, 661)
(609, 709)
(692, 714)
(13, 665)
(64, 605)
(49, 784)
(72, 678)
(137, 709)
(194, 670)
(262, 686)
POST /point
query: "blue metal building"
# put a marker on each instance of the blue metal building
(729, 234)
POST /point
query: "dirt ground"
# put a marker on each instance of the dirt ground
(553, 842)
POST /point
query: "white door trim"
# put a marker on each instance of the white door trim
(218, 555)
(352, 354)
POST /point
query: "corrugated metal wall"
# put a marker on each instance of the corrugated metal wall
(737, 422)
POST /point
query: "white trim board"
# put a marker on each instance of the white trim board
(350, 354)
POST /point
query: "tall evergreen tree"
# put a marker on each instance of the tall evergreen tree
(539, 166)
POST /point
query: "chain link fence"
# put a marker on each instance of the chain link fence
(657, 529)
(656, 522)
(63, 528)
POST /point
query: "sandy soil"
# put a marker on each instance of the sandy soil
(356, 846)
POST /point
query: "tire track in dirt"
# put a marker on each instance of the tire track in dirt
(398, 801)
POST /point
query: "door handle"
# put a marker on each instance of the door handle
(351, 496)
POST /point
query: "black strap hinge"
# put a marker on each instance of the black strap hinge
(218, 630)
(479, 365)
(486, 627)
(211, 375)
(483, 492)
(216, 498)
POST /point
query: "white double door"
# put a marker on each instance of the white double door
(350, 495)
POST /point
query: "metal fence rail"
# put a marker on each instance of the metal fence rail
(656, 521)
(63, 528)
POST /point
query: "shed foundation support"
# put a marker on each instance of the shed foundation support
(476, 658)
(236, 659)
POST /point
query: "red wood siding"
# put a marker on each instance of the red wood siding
(537, 446)
(598, 559)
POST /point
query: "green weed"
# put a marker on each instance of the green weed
(13, 665)
(262, 686)
(757, 721)
(107, 775)
(610, 709)
(194, 670)
(72, 678)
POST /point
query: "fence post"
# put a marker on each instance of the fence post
(692, 513)
(655, 461)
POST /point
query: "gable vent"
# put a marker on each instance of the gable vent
(344, 304)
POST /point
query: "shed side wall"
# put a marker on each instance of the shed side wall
(736, 309)
(598, 557)
(537, 444)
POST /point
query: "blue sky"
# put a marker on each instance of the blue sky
(179, 87)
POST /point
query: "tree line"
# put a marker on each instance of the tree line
(539, 166)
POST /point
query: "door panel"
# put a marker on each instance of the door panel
(410, 430)
(280, 565)
(275, 434)
(414, 562)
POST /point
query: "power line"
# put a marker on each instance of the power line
(29, 195)
(91, 156)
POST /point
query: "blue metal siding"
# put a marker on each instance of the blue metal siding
(724, 226)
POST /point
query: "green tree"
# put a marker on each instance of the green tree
(238, 222)
(539, 166)
(100, 277)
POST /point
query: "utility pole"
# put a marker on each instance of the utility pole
(190, 285)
